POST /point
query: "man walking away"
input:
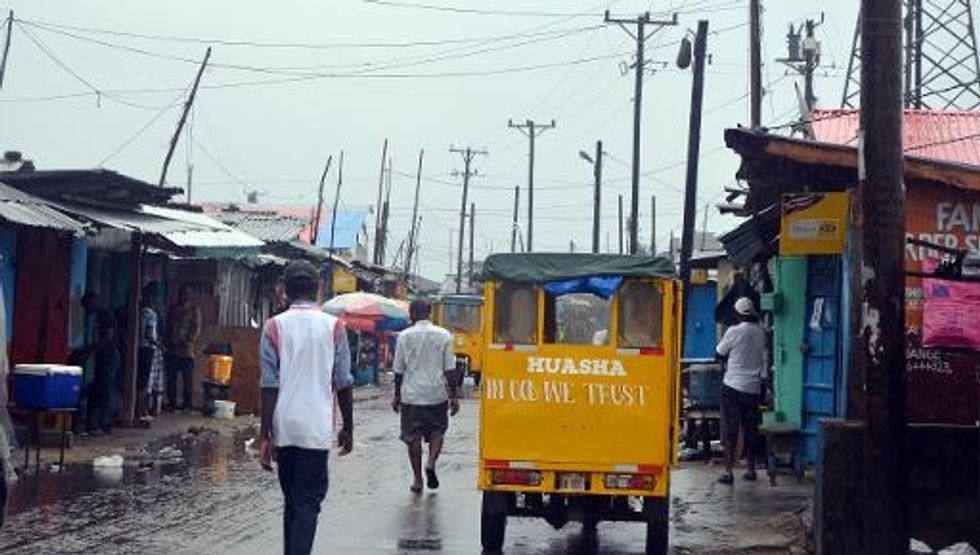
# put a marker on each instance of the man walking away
(743, 348)
(183, 330)
(425, 389)
(305, 360)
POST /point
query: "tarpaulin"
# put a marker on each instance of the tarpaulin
(601, 286)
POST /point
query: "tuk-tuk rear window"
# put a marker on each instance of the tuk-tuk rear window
(461, 317)
(640, 315)
(576, 319)
(515, 314)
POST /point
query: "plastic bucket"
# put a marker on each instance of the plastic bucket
(224, 409)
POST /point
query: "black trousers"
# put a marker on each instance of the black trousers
(303, 479)
(740, 411)
(179, 367)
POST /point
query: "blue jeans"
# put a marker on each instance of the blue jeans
(303, 479)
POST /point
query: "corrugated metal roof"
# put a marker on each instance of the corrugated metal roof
(206, 233)
(19, 208)
(128, 220)
(270, 228)
(86, 186)
(942, 135)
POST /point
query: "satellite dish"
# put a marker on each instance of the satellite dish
(684, 54)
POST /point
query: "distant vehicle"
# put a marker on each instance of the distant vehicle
(463, 316)
(581, 391)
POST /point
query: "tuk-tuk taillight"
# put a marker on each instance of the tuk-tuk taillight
(515, 477)
(630, 481)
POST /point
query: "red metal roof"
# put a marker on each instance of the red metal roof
(949, 136)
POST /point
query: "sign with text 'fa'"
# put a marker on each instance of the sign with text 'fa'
(814, 223)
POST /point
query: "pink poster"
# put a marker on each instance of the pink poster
(951, 312)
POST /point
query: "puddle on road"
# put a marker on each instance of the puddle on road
(208, 455)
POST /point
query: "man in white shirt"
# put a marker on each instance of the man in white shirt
(743, 348)
(305, 360)
(426, 387)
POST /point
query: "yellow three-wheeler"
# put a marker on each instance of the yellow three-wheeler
(463, 316)
(580, 398)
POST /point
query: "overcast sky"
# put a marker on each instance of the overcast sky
(289, 86)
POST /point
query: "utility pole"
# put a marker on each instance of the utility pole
(755, 62)
(811, 59)
(183, 116)
(597, 194)
(415, 217)
(620, 224)
(513, 228)
(472, 229)
(333, 222)
(693, 151)
(531, 130)
(803, 57)
(704, 228)
(377, 206)
(319, 200)
(451, 232)
(468, 154)
(6, 46)
(640, 36)
(653, 225)
(385, 210)
(880, 280)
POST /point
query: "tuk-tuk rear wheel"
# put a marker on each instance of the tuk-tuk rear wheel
(656, 511)
(493, 521)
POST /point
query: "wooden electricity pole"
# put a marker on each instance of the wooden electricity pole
(6, 47)
(378, 214)
(319, 200)
(415, 216)
(513, 228)
(640, 36)
(755, 62)
(693, 151)
(468, 154)
(183, 118)
(472, 231)
(620, 224)
(879, 275)
(531, 130)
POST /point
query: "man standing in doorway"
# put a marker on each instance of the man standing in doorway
(743, 348)
(183, 329)
(426, 385)
(305, 361)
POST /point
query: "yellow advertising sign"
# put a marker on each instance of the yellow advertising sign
(814, 223)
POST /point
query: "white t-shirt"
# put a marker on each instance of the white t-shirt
(305, 356)
(423, 353)
(745, 346)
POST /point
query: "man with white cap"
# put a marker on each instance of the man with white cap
(743, 348)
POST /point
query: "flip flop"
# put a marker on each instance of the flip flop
(726, 479)
(416, 489)
(431, 479)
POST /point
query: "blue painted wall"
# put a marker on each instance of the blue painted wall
(8, 274)
(700, 333)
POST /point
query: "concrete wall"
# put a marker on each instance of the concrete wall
(944, 486)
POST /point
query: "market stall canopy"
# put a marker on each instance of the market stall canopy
(545, 267)
(369, 312)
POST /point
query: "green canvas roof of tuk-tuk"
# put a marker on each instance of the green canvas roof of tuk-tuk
(543, 267)
(467, 300)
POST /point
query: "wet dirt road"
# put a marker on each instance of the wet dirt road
(217, 500)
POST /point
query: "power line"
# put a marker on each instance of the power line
(284, 45)
(125, 144)
(67, 69)
(365, 67)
